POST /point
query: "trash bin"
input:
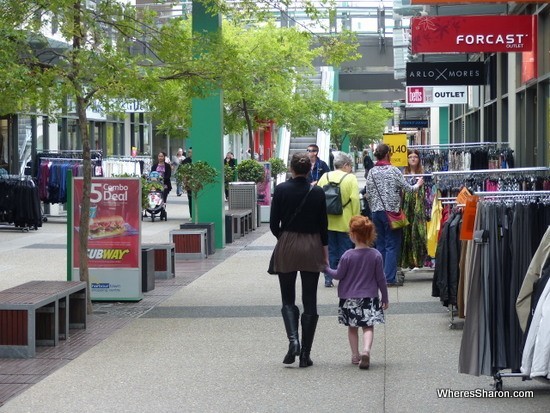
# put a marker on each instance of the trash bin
(147, 269)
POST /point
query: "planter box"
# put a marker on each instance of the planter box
(210, 234)
(189, 243)
(164, 260)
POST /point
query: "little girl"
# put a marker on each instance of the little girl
(361, 275)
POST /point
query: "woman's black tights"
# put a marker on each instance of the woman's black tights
(287, 281)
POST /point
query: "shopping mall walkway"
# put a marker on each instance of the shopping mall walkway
(212, 340)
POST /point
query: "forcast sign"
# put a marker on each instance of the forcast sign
(473, 34)
(429, 96)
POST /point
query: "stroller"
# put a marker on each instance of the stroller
(155, 198)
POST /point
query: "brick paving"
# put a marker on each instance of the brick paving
(17, 375)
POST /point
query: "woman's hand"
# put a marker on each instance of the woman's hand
(420, 182)
(385, 306)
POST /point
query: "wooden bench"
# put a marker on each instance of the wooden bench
(39, 313)
(242, 221)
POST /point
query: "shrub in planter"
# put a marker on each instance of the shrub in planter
(250, 171)
(195, 177)
(277, 167)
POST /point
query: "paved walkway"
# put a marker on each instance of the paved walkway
(212, 340)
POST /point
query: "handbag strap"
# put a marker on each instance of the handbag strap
(298, 208)
(379, 195)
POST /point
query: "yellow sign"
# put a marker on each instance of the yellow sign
(398, 145)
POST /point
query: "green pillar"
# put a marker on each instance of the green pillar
(444, 124)
(207, 134)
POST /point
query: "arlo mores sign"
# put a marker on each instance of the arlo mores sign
(445, 74)
(473, 34)
(436, 95)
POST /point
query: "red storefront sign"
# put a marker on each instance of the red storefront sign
(473, 34)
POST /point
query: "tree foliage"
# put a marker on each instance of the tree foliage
(364, 123)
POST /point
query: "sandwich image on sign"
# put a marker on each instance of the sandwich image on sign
(103, 227)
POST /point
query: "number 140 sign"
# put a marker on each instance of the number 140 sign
(398, 146)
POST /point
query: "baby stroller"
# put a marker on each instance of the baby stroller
(155, 198)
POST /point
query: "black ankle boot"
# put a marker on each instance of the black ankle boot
(309, 324)
(291, 315)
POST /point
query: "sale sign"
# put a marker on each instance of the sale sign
(473, 34)
(429, 96)
(115, 217)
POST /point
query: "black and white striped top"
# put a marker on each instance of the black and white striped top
(390, 182)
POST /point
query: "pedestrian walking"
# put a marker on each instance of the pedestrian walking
(361, 275)
(299, 221)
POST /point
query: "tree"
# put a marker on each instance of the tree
(364, 123)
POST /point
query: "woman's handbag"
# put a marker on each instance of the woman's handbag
(396, 220)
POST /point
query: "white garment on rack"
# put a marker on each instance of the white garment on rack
(536, 353)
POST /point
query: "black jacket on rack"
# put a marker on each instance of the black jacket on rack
(446, 273)
(19, 203)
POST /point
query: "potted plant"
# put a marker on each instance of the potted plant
(250, 170)
(195, 177)
(277, 167)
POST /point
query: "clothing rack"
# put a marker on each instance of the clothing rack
(458, 145)
(489, 171)
(48, 158)
(417, 175)
(508, 194)
(143, 161)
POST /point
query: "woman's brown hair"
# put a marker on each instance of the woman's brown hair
(419, 168)
(300, 163)
(381, 151)
(362, 229)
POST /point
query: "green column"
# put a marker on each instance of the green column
(207, 134)
(444, 124)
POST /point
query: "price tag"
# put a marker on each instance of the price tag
(398, 145)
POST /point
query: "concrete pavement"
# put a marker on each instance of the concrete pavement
(217, 344)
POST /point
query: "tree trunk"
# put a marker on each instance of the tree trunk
(84, 223)
(79, 39)
(249, 127)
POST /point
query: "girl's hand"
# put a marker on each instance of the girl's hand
(385, 306)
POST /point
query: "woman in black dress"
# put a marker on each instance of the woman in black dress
(299, 221)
